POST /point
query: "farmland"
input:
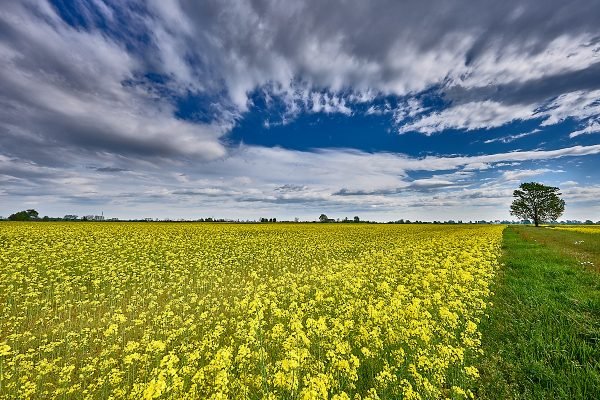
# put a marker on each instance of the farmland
(581, 228)
(541, 337)
(243, 311)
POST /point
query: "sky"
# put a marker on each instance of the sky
(419, 110)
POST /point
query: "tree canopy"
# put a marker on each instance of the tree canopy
(537, 202)
(26, 215)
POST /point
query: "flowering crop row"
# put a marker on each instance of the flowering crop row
(296, 311)
(580, 228)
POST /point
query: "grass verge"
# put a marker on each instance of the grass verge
(542, 339)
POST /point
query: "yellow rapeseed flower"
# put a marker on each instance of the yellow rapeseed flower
(235, 311)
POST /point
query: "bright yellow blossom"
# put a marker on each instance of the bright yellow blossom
(232, 311)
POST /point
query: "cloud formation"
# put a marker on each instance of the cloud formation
(66, 89)
(385, 46)
(258, 181)
(593, 126)
(494, 63)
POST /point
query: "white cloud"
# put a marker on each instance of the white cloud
(569, 183)
(520, 174)
(254, 180)
(63, 86)
(469, 116)
(431, 183)
(579, 105)
(312, 62)
(327, 103)
(410, 109)
(330, 47)
(512, 63)
(488, 114)
(583, 194)
(474, 166)
(512, 138)
(592, 127)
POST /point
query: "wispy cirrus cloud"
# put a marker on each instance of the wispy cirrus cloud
(593, 126)
(520, 174)
(469, 116)
(487, 114)
(512, 138)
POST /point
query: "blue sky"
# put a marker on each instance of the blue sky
(384, 109)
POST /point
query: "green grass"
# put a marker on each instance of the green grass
(542, 340)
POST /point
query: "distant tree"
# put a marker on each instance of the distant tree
(356, 219)
(537, 202)
(323, 218)
(26, 215)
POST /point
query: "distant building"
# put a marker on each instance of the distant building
(70, 217)
(94, 218)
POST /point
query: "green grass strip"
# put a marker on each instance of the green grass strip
(542, 340)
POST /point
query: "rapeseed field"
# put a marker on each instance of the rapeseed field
(231, 311)
(580, 228)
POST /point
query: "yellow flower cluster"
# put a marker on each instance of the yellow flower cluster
(580, 228)
(219, 311)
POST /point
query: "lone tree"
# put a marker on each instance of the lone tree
(323, 218)
(537, 202)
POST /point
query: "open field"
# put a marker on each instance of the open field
(580, 243)
(242, 311)
(542, 340)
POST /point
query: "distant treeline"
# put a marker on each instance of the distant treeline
(33, 215)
